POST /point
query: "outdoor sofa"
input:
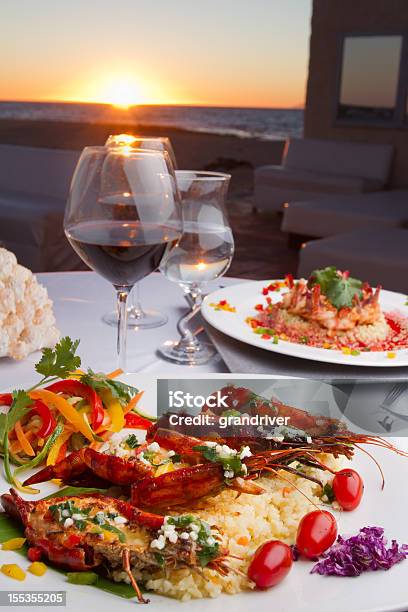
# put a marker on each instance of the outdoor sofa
(34, 185)
(338, 214)
(312, 169)
(378, 256)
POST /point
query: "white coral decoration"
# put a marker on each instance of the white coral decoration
(27, 322)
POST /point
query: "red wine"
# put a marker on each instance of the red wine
(123, 253)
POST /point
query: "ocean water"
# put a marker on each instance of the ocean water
(265, 124)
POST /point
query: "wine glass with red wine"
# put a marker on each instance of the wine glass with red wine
(139, 317)
(125, 247)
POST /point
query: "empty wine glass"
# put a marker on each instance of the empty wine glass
(123, 213)
(203, 254)
(139, 317)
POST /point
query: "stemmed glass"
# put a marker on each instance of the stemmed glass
(123, 246)
(203, 254)
(139, 317)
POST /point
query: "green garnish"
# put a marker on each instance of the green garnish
(231, 412)
(232, 463)
(208, 547)
(119, 390)
(339, 289)
(329, 493)
(132, 441)
(60, 361)
(82, 577)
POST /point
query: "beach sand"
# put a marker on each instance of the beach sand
(261, 248)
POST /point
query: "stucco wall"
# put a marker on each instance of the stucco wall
(330, 18)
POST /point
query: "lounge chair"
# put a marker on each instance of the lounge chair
(377, 256)
(34, 185)
(339, 214)
(312, 169)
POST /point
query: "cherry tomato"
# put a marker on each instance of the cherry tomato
(270, 564)
(317, 531)
(348, 488)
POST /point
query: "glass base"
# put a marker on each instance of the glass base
(201, 353)
(144, 319)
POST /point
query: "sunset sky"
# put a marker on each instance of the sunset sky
(209, 52)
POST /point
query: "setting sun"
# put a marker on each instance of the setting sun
(121, 91)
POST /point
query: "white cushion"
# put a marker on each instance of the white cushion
(37, 171)
(377, 256)
(339, 214)
(371, 161)
(307, 181)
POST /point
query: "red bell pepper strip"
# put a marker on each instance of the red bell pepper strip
(76, 387)
(135, 421)
(46, 416)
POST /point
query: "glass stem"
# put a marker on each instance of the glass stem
(136, 306)
(122, 296)
(188, 340)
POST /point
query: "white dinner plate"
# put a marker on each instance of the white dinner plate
(383, 591)
(244, 296)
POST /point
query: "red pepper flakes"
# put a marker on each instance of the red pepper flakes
(266, 337)
(259, 307)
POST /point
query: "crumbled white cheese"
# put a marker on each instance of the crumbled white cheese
(171, 453)
(193, 536)
(245, 452)
(184, 535)
(65, 513)
(120, 520)
(27, 321)
(173, 537)
(309, 440)
(154, 447)
(68, 522)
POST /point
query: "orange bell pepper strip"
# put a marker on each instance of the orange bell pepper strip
(115, 373)
(133, 402)
(22, 438)
(57, 402)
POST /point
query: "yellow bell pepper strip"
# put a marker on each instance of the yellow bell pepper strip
(22, 438)
(60, 441)
(52, 400)
(12, 570)
(37, 568)
(13, 544)
(114, 410)
(165, 468)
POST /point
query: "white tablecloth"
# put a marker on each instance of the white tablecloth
(81, 298)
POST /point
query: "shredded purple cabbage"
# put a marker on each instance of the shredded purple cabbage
(364, 552)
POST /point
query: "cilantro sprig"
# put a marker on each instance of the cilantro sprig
(338, 288)
(60, 361)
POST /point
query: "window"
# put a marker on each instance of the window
(372, 87)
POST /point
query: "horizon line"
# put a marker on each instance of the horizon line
(124, 110)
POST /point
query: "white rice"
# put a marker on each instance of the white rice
(246, 522)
